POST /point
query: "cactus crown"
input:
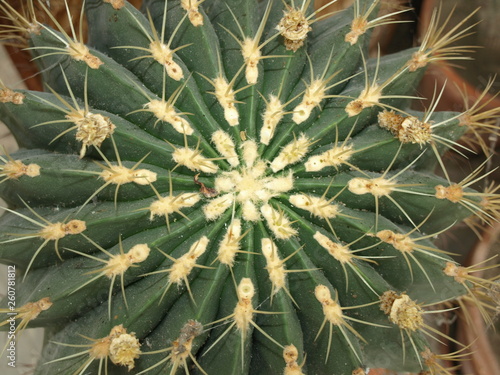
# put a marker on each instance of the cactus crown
(232, 187)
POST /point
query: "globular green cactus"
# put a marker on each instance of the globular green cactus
(232, 187)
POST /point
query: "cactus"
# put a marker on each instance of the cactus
(233, 187)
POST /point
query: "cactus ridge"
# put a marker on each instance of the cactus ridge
(235, 187)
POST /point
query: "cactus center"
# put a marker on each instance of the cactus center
(251, 183)
(251, 187)
(247, 183)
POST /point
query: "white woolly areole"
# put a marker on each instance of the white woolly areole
(291, 356)
(225, 96)
(274, 265)
(120, 175)
(406, 313)
(119, 264)
(334, 157)
(165, 56)
(170, 204)
(273, 114)
(250, 152)
(331, 309)
(368, 98)
(230, 244)
(225, 146)
(14, 169)
(291, 153)
(91, 128)
(80, 52)
(280, 184)
(183, 266)
(164, 111)
(243, 312)
(336, 250)
(313, 96)
(56, 231)
(245, 290)
(216, 207)
(378, 187)
(279, 224)
(139, 253)
(316, 205)
(231, 114)
(399, 241)
(193, 160)
(250, 212)
(227, 181)
(191, 6)
(124, 349)
(251, 55)
(294, 27)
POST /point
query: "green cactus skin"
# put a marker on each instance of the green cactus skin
(207, 213)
